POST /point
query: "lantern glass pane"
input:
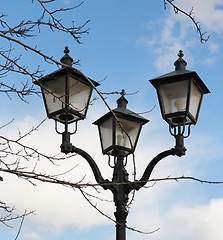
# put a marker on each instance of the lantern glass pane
(105, 130)
(75, 102)
(79, 95)
(127, 133)
(173, 97)
(54, 93)
(195, 100)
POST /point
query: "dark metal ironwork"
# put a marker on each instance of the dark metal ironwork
(67, 59)
(120, 186)
(123, 126)
(66, 92)
(180, 94)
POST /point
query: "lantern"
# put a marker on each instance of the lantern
(66, 92)
(119, 129)
(180, 94)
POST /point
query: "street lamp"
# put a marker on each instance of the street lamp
(180, 95)
(66, 94)
(119, 129)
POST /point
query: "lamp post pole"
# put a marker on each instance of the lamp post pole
(120, 193)
(67, 93)
(121, 187)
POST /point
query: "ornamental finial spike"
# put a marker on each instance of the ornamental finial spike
(66, 59)
(180, 63)
(66, 50)
(123, 92)
(180, 54)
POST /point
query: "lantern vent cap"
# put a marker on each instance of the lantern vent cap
(122, 112)
(180, 74)
(66, 59)
(180, 63)
(122, 101)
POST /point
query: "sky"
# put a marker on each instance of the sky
(129, 42)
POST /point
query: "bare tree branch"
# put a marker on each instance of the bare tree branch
(191, 16)
(19, 159)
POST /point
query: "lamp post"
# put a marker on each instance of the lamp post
(66, 93)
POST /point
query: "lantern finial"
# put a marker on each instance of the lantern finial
(122, 101)
(180, 63)
(66, 59)
(123, 92)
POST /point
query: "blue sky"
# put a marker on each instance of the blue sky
(129, 42)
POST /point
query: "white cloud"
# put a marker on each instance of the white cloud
(31, 236)
(184, 220)
(58, 207)
(208, 13)
(177, 32)
(167, 42)
(207, 217)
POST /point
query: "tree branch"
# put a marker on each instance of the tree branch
(191, 16)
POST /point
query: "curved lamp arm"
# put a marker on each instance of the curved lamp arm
(178, 150)
(97, 174)
(67, 147)
(146, 175)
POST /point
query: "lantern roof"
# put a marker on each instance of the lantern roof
(67, 68)
(122, 111)
(180, 73)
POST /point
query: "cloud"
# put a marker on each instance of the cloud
(31, 236)
(166, 42)
(209, 14)
(207, 217)
(57, 206)
(160, 206)
(185, 219)
(176, 32)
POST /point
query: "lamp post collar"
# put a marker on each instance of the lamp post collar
(180, 63)
(122, 101)
(67, 59)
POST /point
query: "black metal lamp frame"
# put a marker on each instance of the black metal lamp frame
(120, 186)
